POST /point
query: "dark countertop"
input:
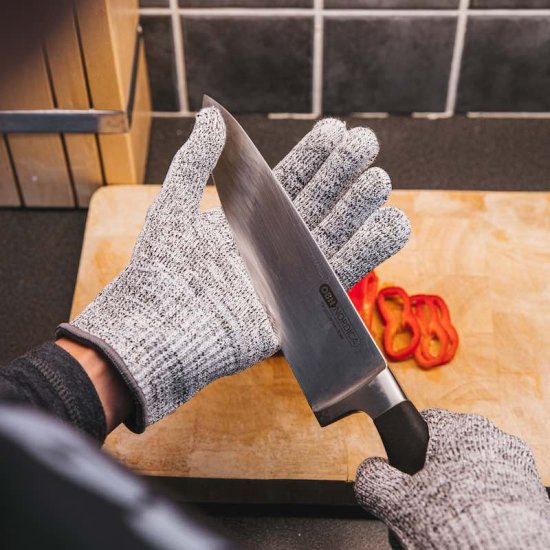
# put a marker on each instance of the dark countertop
(301, 527)
(40, 249)
(453, 153)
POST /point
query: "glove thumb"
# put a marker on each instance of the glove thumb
(193, 163)
(379, 487)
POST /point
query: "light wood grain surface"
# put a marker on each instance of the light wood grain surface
(125, 155)
(108, 35)
(487, 254)
(9, 195)
(70, 88)
(39, 159)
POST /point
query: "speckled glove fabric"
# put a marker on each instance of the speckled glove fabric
(479, 489)
(184, 311)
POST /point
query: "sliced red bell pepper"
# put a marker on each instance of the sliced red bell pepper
(397, 322)
(445, 320)
(363, 297)
(431, 330)
(356, 295)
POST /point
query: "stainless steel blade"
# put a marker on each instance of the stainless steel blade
(335, 360)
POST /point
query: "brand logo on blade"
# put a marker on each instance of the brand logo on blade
(328, 295)
(339, 317)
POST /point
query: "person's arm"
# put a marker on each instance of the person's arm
(58, 490)
(111, 389)
(70, 382)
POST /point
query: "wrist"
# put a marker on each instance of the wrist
(113, 393)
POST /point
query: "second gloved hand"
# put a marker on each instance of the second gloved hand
(479, 489)
(184, 312)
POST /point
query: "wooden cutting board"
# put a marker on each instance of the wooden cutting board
(487, 254)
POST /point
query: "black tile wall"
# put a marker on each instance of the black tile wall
(520, 4)
(506, 65)
(397, 64)
(450, 153)
(159, 50)
(389, 4)
(250, 64)
(246, 3)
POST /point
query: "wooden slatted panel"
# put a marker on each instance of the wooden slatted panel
(69, 83)
(108, 34)
(124, 155)
(39, 159)
(141, 122)
(8, 186)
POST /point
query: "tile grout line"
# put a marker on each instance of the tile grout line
(367, 114)
(358, 13)
(514, 115)
(295, 12)
(317, 69)
(435, 115)
(247, 12)
(181, 79)
(431, 115)
(456, 60)
(155, 11)
(508, 12)
(290, 116)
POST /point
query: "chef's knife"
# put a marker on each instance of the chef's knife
(333, 356)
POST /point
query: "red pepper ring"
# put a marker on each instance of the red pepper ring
(395, 324)
(363, 297)
(445, 320)
(371, 290)
(431, 329)
(356, 295)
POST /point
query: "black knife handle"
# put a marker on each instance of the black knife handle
(404, 434)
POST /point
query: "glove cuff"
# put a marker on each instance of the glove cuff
(138, 420)
(164, 357)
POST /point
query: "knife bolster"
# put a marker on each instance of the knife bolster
(402, 429)
(374, 398)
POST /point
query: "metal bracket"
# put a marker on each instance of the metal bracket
(75, 121)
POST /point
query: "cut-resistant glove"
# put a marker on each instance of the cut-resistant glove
(184, 312)
(479, 489)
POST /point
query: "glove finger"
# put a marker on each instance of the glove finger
(305, 159)
(451, 431)
(379, 487)
(193, 163)
(448, 426)
(355, 153)
(380, 237)
(368, 193)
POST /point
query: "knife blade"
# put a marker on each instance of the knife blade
(333, 356)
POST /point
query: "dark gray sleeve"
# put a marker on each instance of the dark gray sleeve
(50, 379)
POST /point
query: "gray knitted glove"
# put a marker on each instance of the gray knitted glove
(184, 311)
(479, 489)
